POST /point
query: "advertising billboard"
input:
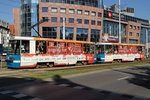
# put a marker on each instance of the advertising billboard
(110, 38)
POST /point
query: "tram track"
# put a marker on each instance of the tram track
(25, 72)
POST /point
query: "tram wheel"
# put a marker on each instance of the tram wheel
(84, 63)
(137, 60)
(79, 63)
(37, 66)
(119, 61)
(50, 65)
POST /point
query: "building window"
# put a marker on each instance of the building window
(54, 19)
(93, 13)
(132, 41)
(49, 32)
(63, 10)
(86, 21)
(137, 34)
(44, 9)
(86, 12)
(71, 11)
(99, 23)
(95, 35)
(71, 20)
(54, 9)
(99, 14)
(138, 27)
(45, 19)
(130, 26)
(82, 34)
(79, 21)
(93, 22)
(68, 33)
(130, 33)
(134, 27)
(61, 19)
(79, 11)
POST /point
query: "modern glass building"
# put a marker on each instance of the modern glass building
(29, 17)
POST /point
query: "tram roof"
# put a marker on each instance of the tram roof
(99, 43)
(61, 40)
(49, 39)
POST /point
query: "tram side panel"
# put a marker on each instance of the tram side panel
(123, 53)
(58, 56)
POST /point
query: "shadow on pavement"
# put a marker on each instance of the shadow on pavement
(140, 78)
(41, 89)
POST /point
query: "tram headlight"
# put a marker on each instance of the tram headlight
(12, 58)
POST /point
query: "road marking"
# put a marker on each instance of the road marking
(19, 95)
(123, 78)
(52, 83)
(36, 99)
(6, 92)
(64, 85)
(78, 87)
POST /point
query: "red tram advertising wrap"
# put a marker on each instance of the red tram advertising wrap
(34, 52)
(118, 52)
(44, 51)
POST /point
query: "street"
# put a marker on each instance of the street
(117, 84)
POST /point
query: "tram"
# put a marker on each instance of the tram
(118, 52)
(33, 52)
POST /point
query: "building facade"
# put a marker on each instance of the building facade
(4, 33)
(85, 20)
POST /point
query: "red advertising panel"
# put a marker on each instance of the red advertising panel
(64, 50)
(51, 44)
(128, 49)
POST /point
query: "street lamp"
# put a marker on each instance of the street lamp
(119, 24)
(147, 43)
(64, 29)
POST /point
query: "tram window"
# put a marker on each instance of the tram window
(100, 49)
(140, 49)
(86, 48)
(115, 49)
(143, 49)
(91, 49)
(41, 47)
(51, 44)
(61, 44)
(25, 46)
(14, 47)
(109, 49)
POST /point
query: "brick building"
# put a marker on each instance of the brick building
(84, 20)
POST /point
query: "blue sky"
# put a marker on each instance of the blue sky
(142, 8)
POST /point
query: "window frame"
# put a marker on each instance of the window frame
(63, 10)
(54, 10)
(52, 19)
(44, 9)
(71, 20)
(70, 11)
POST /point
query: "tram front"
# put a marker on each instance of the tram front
(13, 54)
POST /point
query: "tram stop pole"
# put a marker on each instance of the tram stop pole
(1, 62)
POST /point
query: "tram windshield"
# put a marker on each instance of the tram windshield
(14, 47)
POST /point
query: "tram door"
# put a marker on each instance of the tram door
(27, 47)
(100, 53)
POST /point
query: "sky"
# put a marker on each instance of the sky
(141, 7)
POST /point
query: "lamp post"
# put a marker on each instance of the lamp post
(146, 43)
(119, 24)
(64, 29)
